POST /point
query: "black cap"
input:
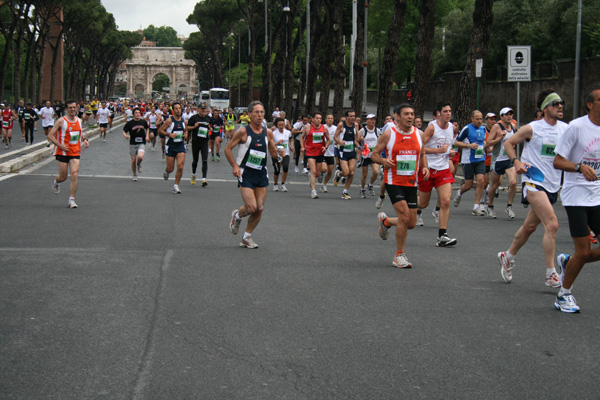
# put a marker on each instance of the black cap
(202, 105)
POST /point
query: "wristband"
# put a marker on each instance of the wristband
(513, 160)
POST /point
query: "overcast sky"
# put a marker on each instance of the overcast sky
(132, 15)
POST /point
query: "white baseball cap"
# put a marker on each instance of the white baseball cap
(505, 110)
(490, 114)
(369, 116)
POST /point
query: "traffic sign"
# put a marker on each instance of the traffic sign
(519, 64)
(478, 67)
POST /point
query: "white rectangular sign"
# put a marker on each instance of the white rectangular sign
(519, 64)
(478, 67)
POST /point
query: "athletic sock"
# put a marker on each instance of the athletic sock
(459, 194)
(550, 271)
(419, 212)
(441, 232)
(382, 197)
(508, 205)
(247, 235)
(237, 216)
(437, 208)
(563, 292)
(509, 256)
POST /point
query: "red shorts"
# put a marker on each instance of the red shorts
(10, 125)
(436, 178)
(456, 159)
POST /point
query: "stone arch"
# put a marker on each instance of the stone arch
(139, 90)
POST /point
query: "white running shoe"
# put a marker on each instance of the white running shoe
(457, 200)
(346, 196)
(283, 188)
(280, 187)
(296, 170)
(479, 212)
(436, 216)
(371, 191)
(401, 261)
(491, 213)
(510, 212)
(445, 241)
(363, 194)
(135, 178)
(248, 243)
(304, 171)
(384, 231)
(562, 259)
(56, 187)
(72, 203)
(324, 188)
(553, 280)
(275, 188)
(566, 304)
(420, 220)
(234, 224)
(507, 266)
(379, 203)
(176, 189)
(313, 194)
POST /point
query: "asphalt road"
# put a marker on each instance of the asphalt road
(143, 294)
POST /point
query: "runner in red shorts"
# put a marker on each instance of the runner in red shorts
(8, 116)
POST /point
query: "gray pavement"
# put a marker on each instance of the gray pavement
(143, 294)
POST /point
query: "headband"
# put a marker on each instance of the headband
(549, 99)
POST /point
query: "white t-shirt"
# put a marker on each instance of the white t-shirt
(330, 152)
(298, 126)
(580, 143)
(129, 114)
(539, 152)
(47, 116)
(441, 137)
(103, 114)
(285, 136)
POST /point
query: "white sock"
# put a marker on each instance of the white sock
(509, 256)
(247, 235)
(563, 292)
(237, 216)
(71, 198)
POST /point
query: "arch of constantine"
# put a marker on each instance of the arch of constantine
(148, 62)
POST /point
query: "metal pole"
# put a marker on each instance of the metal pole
(366, 28)
(268, 46)
(577, 80)
(478, 93)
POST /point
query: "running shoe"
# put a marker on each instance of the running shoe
(139, 168)
(497, 194)
(219, 159)
(193, 180)
(567, 304)
(553, 280)
(280, 187)
(371, 191)
(507, 266)
(346, 196)
(562, 260)
(324, 188)
(401, 261)
(275, 187)
(212, 157)
(491, 213)
(135, 178)
(363, 194)
(304, 171)
(56, 187)
(420, 220)
(234, 225)
(445, 241)
(457, 200)
(283, 187)
(320, 178)
(313, 194)
(204, 182)
(248, 243)
(336, 178)
(511, 214)
(379, 203)
(296, 170)
(436, 216)
(166, 176)
(384, 231)
(72, 203)
(479, 212)
(176, 189)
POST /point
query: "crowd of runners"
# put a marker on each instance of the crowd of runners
(408, 159)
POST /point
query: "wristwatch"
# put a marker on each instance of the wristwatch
(578, 167)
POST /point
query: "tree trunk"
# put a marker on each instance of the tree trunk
(339, 55)
(17, 65)
(326, 67)
(357, 64)
(316, 37)
(4, 61)
(466, 98)
(390, 59)
(424, 65)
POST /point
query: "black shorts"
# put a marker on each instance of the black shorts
(66, 159)
(104, 125)
(580, 218)
(215, 135)
(95, 112)
(252, 178)
(330, 160)
(472, 169)
(367, 161)
(348, 155)
(501, 166)
(318, 159)
(553, 197)
(403, 193)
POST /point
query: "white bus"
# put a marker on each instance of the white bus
(215, 97)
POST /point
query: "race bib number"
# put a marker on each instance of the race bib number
(255, 159)
(548, 146)
(202, 133)
(5, 124)
(139, 140)
(27, 116)
(349, 146)
(178, 136)
(317, 137)
(406, 164)
(479, 152)
(284, 145)
(152, 124)
(74, 137)
(244, 123)
(216, 129)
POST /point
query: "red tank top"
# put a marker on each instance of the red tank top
(405, 150)
(315, 141)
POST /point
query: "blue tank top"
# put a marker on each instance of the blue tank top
(348, 137)
(256, 151)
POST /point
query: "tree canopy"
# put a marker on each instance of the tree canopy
(164, 36)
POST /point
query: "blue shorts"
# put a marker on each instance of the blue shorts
(252, 178)
(172, 151)
(501, 166)
(348, 155)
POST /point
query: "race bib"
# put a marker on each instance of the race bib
(139, 140)
(216, 129)
(5, 124)
(178, 136)
(349, 146)
(406, 164)
(74, 138)
(479, 152)
(202, 133)
(27, 116)
(284, 145)
(255, 159)
(152, 124)
(548, 146)
(317, 137)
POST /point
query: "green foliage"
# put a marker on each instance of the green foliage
(164, 36)
(160, 81)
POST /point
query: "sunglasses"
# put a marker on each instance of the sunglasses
(557, 103)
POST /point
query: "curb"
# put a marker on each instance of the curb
(21, 162)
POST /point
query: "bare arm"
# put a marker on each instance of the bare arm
(525, 133)
(568, 166)
(240, 136)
